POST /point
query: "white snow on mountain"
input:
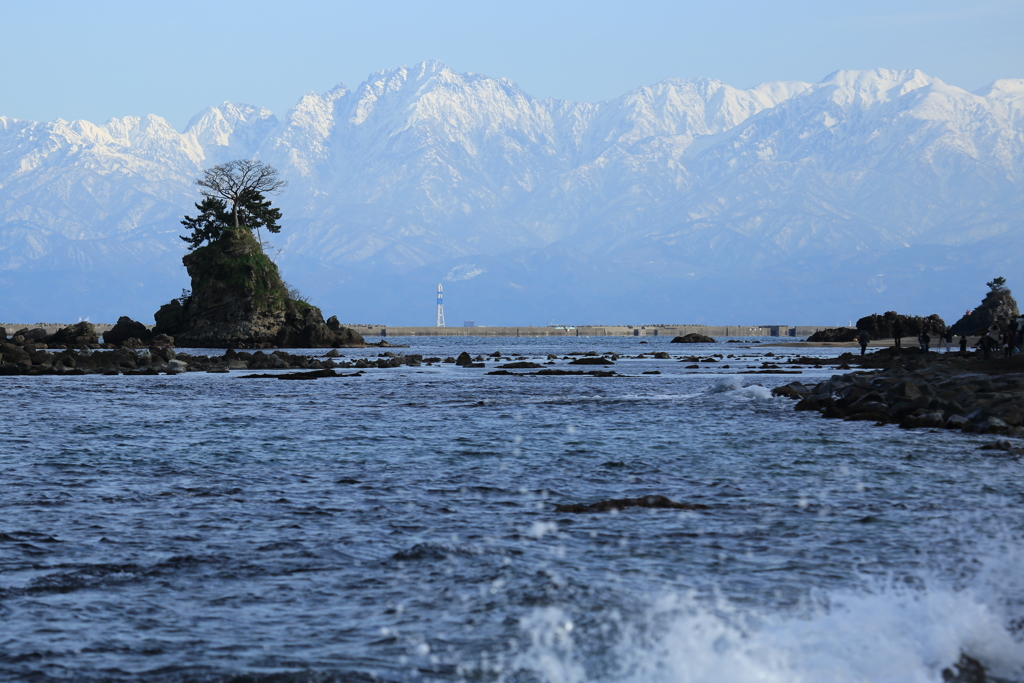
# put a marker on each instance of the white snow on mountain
(685, 200)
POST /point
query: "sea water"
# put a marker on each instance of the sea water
(401, 526)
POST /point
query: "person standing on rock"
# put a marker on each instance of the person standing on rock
(863, 338)
(926, 341)
(897, 333)
(1009, 343)
(948, 338)
(963, 345)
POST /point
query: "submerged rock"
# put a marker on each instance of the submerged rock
(655, 501)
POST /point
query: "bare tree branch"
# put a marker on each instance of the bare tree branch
(232, 180)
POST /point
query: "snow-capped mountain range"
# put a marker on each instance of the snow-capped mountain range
(684, 201)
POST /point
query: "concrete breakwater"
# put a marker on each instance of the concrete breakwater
(797, 332)
(590, 331)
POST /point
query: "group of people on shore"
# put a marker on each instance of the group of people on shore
(1007, 334)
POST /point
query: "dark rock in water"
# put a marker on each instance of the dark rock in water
(521, 365)
(693, 338)
(835, 334)
(161, 340)
(997, 306)
(239, 300)
(464, 359)
(591, 360)
(125, 329)
(623, 503)
(662, 355)
(966, 670)
(794, 390)
(79, 334)
(885, 326)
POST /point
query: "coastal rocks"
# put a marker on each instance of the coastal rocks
(126, 329)
(78, 335)
(883, 326)
(591, 360)
(965, 670)
(239, 300)
(950, 394)
(617, 504)
(693, 338)
(834, 334)
(997, 306)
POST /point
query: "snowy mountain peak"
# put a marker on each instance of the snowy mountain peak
(425, 170)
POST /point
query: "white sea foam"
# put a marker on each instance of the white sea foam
(883, 636)
(733, 386)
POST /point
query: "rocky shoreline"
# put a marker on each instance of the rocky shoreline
(914, 390)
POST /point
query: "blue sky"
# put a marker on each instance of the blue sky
(104, 58)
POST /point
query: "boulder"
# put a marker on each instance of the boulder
(835, 334)
(161, 340)
(693, 338)
(126, 329)
(590, 360)
(78, 335)
(176, 366)
(931, 420)
(464, 359)
(37, 334)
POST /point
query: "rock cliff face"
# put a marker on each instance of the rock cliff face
(997, 306)
(239, 300)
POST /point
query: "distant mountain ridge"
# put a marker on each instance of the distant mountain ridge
(684, 201)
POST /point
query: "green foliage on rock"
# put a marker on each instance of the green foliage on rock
(235, 268)
(215, 218)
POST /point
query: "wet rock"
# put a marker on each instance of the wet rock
(591, 360)
(175, 367)
(464, 359)
(966, 670)
(662, 355)
(933, 420)
(521, 365)
(616, 504)
(126, 329)
(835, 334)
(692, 338)
(78, 335)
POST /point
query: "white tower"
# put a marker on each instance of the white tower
(440, 307)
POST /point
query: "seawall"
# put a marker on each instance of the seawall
(591, 331)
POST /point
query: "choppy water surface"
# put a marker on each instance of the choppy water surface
(400, 526)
